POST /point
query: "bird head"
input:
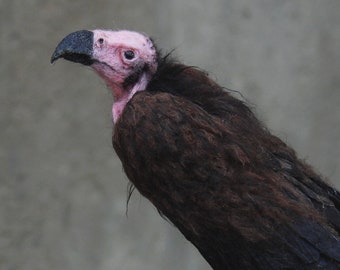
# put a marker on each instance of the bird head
(126, 60)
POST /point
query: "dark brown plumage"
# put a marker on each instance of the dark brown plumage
(237, 192)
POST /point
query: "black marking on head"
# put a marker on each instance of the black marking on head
(134, 77)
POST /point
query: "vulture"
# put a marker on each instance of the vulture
(238, 193)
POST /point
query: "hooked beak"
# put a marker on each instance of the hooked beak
(76, 47)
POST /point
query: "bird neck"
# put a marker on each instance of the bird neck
(122, 96)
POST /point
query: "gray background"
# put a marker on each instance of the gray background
(62, 190)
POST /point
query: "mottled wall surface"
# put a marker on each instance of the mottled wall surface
(62, 189)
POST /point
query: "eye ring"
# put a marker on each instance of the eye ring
(129, 54)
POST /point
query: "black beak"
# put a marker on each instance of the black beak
(76, 47)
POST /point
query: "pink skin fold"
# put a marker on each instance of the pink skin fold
(114, 67)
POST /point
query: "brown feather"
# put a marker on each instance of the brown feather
(207, 164)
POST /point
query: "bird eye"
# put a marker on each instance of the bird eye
(129, 55)
(101, 41)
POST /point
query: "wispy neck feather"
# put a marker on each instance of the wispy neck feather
(119, 105)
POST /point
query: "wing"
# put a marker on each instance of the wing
(242, 198)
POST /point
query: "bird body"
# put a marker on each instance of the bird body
(200, 155)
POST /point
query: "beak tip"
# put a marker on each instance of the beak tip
(53, 59)
(58, 53)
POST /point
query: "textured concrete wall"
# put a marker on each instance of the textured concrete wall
(62, 190)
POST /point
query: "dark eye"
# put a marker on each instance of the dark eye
(101, 41)
(129, 55)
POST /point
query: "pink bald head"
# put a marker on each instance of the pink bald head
(126, 60)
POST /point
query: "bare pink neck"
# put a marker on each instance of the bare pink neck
(122, 98)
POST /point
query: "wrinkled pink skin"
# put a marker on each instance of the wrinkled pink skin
(111, 64)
